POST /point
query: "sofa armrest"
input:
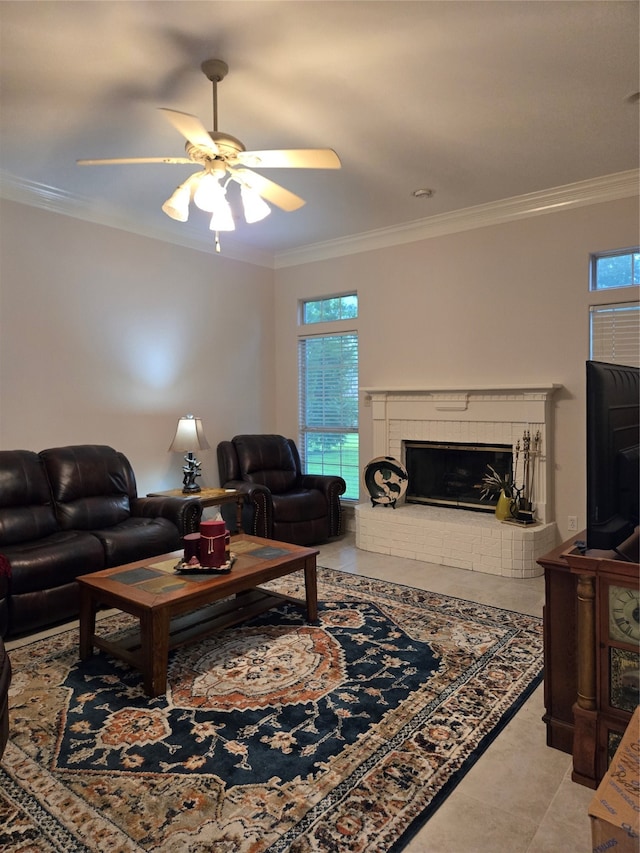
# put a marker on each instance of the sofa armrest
(327, 484)
(257, 511)
(332, 487)
(185, 513)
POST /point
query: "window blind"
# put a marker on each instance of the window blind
(328, 406)
(615, 333)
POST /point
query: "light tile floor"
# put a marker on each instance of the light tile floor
(519, 797)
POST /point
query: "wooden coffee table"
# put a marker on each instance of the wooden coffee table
(176, 609)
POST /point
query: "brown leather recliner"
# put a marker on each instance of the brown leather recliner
(280, 502)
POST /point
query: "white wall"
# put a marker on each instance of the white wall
(108, 337)
(501, 304)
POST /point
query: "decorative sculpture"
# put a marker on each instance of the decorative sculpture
(191, 471)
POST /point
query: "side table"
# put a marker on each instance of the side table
(209, 497)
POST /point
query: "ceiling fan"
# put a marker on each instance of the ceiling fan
(222, 159)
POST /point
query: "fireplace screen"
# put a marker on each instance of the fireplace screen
(450, 474)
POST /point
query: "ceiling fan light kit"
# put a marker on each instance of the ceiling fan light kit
(223, 158)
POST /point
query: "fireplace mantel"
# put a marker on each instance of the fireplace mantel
(541, 388)
(460, 398)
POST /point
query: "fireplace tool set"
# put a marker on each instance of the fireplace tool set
(522, 501)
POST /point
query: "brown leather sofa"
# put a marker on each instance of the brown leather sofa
(5, 681)
(280, 501)
(68, 511)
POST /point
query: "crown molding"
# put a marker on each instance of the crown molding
(56, 200)
(606, 188)
(569, 196)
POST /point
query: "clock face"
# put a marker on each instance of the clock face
(624, 614)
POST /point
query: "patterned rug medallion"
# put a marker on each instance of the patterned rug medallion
(274, 736)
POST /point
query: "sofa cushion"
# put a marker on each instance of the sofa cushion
(90, 485)
(299, 505)
(53, 560)
(137, 539)
(41, 608)
(266, 460)
(26, 509)
(302, 532)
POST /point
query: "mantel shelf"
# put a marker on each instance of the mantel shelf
(548, 387)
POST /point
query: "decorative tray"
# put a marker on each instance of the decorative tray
(183, 568)
(386, 480)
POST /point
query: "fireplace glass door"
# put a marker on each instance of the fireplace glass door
(450, 474)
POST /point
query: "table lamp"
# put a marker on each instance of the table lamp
(189, 437)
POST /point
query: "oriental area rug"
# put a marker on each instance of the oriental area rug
(275, 736)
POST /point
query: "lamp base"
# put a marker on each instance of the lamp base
(191, 488)
(191, 470)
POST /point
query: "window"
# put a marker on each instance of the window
(328, 392)
(614, 329)
(615, 333)
(615, 269)
(330, 309)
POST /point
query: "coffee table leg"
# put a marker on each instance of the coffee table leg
(311, 588)
(154, 638)
(87, 623)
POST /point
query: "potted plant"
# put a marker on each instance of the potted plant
(499, 487)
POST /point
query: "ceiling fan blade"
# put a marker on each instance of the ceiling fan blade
(191, 128)
(272, 192)
(121, 161)
(292, 158)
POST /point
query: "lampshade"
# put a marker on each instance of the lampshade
(189, 435)
(208, 192)
(255, 207)
(177, 206)
(222, 218)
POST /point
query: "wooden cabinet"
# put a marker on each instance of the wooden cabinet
(592, 660)
(608, 660)
(560, 647)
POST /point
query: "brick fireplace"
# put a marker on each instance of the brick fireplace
(459, 537)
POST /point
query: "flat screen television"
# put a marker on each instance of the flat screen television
(613, 453)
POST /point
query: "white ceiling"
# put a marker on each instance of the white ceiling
(479, 101)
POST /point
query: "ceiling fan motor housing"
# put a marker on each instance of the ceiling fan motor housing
(228, 148)
(215, 69)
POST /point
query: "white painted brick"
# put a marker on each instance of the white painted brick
(489, 567)
(459, 564)
(468, 540)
